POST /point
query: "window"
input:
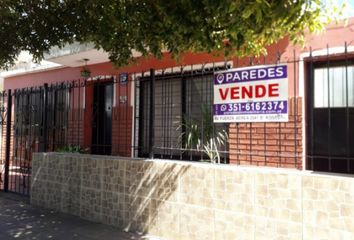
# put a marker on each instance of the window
(330, 132)
(181, 100)
(336, 79)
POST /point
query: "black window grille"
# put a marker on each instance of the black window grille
(57, 115)
(183, 117)
(330, 111)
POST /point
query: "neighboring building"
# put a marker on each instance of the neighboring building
(111, 111)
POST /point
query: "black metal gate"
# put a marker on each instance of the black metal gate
(32, 120)
(5, 106)
(102, 118)
(330, 111)
(21, 134)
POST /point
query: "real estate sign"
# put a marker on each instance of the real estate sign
(251, 94)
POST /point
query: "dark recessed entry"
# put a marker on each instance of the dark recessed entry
(102, 118)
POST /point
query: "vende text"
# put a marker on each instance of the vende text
(250, 91)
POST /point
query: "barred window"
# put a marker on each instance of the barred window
(330, 135)
(183, 116)
(331, 89)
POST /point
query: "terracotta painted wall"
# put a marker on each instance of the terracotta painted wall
(80, 121)
(246, 139)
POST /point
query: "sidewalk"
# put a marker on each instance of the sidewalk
(20, 220)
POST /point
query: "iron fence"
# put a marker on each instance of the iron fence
(168, 114)
(330, 111)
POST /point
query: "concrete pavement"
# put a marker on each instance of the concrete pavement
(20, 220)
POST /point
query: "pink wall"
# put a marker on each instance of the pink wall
(336, 35)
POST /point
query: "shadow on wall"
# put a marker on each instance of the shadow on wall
(181, 200)
(153, 189)
(133, 195)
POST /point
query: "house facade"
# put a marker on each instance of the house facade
(150, 107)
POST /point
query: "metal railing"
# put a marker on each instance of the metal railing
(168, 114)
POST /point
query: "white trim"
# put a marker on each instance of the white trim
(188, 68)
(101, 77)
(315, 53)
(324, 52)
(114, 96)
(302, 95)
(16, 73)
(84, 98)
(132, 104)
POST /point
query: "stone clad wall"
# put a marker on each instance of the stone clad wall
(181, 200)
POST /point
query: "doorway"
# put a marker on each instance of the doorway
(102, 118)
(330, 111)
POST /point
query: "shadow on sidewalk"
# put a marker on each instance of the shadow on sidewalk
(20, 220)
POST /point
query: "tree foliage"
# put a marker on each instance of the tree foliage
(153, 26)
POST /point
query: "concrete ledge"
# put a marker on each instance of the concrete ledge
(189, 200)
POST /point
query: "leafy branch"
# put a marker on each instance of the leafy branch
(151, 27)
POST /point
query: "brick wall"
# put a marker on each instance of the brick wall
(75, 132)
(122, 131)
(269, 144)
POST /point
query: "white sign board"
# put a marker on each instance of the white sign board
(251, 94)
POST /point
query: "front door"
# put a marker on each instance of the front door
(102, 118)
(330, 121)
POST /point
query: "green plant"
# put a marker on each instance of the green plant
(203, 136)
(85, 72)
(71, 149)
